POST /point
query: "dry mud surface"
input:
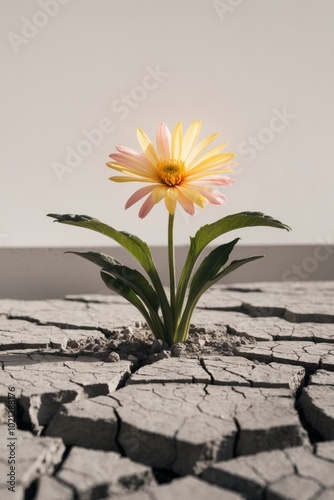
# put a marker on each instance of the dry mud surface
(243, 410)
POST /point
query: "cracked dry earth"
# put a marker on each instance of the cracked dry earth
(243, 410)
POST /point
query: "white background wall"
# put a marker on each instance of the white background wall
(234, 64)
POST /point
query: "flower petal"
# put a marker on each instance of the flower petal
(127, 178)
(138, 195)
(163, 141)
(131, 164)
(218, 181)
(171, 200)
(206, 175)
(159, 193)
(190, 138)
(214, 197)
(197, 150)
(147, 147)
(176, 142)
(192, 194)
(146, 206)
(135, 154)
(213, 152)
(212, 162)
(185, 203)
(132, 172)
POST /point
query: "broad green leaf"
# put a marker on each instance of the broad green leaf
(196, 293)
(131, 277)
(134, 245)
(211, 266)
(118, 286)
(125, 291)
(209, 232)
(100, 259)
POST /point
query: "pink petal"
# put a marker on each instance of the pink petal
(214, 197)
(146, 206)
(131, 162)
(225, 166)
(218, 181)
(127, 151)
(186, 204)
(163, 141)
(138, 195)
(133, 153)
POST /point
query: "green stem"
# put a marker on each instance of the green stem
(171, 259)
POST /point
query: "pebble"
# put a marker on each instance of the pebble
(113, 357)
(157, 346)
(73, 344)
(178, 349)
(113, 344)
(164, 354)
(128, 331)
(200, 342)
(89, 346)
(227, 346)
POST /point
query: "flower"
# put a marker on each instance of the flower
(177, 170)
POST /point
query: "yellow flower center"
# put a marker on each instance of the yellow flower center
(171, 172)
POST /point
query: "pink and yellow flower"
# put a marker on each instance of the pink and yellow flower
(176, 170)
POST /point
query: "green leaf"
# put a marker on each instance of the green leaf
(118, 286)
(234, 265)
(134, 245)
(209, 232)
(211, 266)
(131, 277)
(100, 259)
(125, 291)
(196, 293)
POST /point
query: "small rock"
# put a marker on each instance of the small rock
(73, 344)
(152, 358)
(141, 356)
(113, 344)
(178, 349)
(227, 346)
(157, 346)
(89, 346)
(164, 354)
(113, 357)
(200, 342)
(127, 332)
(139, 324)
